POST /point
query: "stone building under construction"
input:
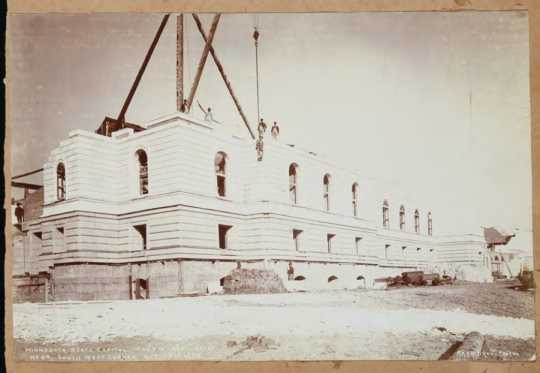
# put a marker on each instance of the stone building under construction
(170, 207)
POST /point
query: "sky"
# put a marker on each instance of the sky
(434, 102)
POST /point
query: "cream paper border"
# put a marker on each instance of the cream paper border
(247, 6)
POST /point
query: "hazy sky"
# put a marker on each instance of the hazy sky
(434, 102)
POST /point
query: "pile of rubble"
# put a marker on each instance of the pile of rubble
(252, 281)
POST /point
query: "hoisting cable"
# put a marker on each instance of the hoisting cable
(256, 39)
(261, 127)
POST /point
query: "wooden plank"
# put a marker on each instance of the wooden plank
(27, 174)
(179, 62)
(140, 73)
(202, 61)
(17, 184)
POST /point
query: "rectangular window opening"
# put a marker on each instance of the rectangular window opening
(223, 236)
(357, 244)
(58, 239)
(141, 236)
(37, 240)
(329, 239)
(296, 238)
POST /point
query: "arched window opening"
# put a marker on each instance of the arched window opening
(385, 215)
(360, 277)
(293, 182)
(299, 278)
(143, 172)
(224, 280)
(402, 217)
(430, 224)
(220, 162)
(326, 192)
(332, 278)
(60, 182)
(355, 199)
(416, 221)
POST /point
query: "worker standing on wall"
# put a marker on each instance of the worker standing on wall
(184, 107)
(275, 131)
(19, 213)
(290, 272)
(261, 128)
(207, 113)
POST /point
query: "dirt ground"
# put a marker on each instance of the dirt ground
(499, 299)
(405, 323)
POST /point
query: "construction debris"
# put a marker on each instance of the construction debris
(417, 278)
(527, 280)
(252, 281)
(257, 343)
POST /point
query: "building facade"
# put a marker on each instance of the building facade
(173, 208)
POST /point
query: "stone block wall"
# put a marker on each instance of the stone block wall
(90, 282)
(29, 289)
(33, 205)
(195, 275)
